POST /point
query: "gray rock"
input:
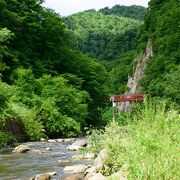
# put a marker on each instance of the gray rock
(76, 169)
(21, 149)
(91, 169)
(77, 145)
(99, 161)
(94, 176)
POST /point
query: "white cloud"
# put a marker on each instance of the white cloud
(67, 7)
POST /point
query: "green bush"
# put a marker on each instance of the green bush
(147, 146)
(61, 107)
(4, 139)
(33, 127)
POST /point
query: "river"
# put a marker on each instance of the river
(21, 166)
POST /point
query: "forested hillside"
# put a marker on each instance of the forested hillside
(57, 75)
(102, 36)
(162, 25)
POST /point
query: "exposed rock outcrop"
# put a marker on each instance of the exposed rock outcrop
(132, 84)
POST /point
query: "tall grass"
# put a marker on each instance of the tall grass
(148, 146)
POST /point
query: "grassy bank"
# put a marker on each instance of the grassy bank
(146, 148)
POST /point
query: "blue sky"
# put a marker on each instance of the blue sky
(67, 7)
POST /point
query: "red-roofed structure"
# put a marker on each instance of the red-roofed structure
(128, 97)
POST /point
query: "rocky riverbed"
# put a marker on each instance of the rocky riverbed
(48, 156)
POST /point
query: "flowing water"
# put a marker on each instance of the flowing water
(21, 166)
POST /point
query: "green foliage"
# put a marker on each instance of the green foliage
(102, 36)
(147, 146)
(61, 107)
(3, 101)
(5, 36)
(4, 139)
(135, 12)
(33, 127)
(162, 26)
(123, 67)
(43, 43)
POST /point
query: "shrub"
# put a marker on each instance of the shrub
(33, 127)
(4, 139)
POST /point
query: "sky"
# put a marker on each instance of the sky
(68, 7)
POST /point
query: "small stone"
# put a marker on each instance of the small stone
(60, 140)
(49, 149)
(51, 140)
(63, 161)
(21, 149)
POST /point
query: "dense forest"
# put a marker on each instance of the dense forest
(57, 73)
(102, 36)
(134, 12)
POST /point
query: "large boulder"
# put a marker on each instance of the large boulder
(74, 177)
(21, 149)
(99, 161)
(91, 169)
(76, 169)
(44, 176)
(118, 175)
(78, 144)
(94, 176)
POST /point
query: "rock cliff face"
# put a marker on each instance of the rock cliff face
(133, 82)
